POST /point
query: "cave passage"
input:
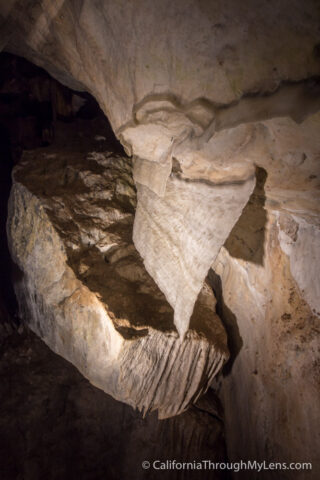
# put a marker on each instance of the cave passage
(31, 104)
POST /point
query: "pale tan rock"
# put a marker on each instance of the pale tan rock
(84, 289)
(178, 242)
(124, 52)
(169, 78)
(275, 361)
(208, 90)
(267, 280)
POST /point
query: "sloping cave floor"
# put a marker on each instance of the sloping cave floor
(55, 425)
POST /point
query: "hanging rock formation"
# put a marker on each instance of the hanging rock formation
(177, 241)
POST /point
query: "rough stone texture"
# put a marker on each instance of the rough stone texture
(178, 242)
(55, 425)
(83, 287)
(209, 90)
(274, 377)
(125, 52)
(169, 78)
(267, 281)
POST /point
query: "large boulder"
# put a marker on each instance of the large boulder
(83, 288)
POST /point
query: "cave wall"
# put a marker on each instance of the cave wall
(266, 277)
(271, 392)
(206, 92)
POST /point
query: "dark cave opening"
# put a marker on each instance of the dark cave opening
(33, 107)
(7, 297)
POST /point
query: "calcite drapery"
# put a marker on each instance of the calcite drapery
(178, 242)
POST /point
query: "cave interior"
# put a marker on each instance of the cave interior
(160, 241)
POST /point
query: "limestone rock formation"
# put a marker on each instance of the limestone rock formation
(84, 290)
(124, 53)
(201, 93)
(178, 242)
(169, 78)
(266, 279)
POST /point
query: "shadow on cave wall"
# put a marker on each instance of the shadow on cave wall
(246, 242)
(246, 239)
(228, 319)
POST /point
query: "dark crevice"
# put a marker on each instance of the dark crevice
(246, 241)
(8, 304)
(228, 319)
